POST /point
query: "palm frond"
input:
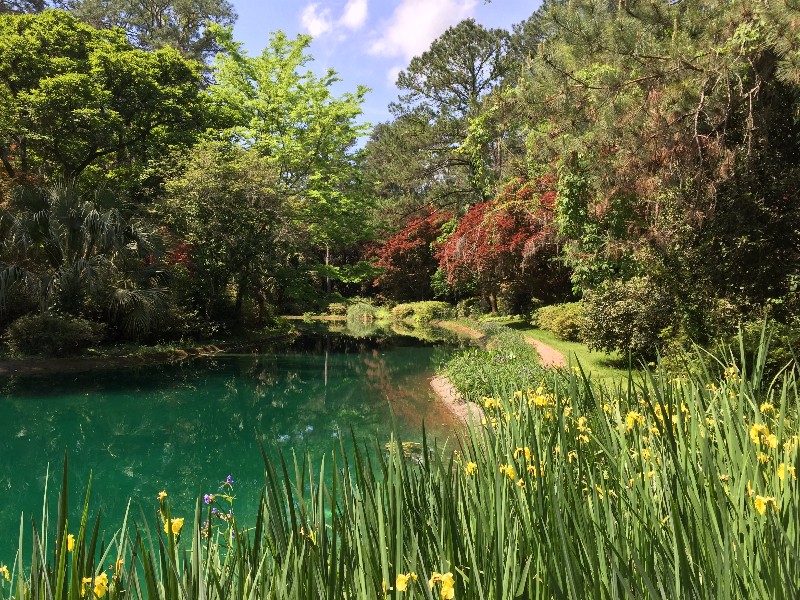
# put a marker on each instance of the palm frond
(138, 310)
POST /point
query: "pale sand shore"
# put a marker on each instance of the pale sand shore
(465, 411)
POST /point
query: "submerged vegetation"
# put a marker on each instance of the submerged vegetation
(682, 487)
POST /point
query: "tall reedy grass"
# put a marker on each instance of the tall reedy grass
(649, 490)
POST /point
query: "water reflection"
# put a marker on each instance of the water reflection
(185, 427)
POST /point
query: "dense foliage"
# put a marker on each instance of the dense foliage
(75, 98)
(638, 156)
(138, 196)
(668, 135)
(408, 258)
(503, 248)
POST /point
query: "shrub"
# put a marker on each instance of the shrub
(361, 312)
(337, 308)
(402, 312)
(422, 312)
(567, 321)
(53, 335)
(433, 311)
(469, 307)
(628, 316)
(784, 346)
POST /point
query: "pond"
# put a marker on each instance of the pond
(185, 427)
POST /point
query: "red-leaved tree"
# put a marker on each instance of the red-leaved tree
(505, 246)
(409, 259)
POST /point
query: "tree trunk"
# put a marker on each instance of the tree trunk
(327, 275)
(240, 289)
(261, 298)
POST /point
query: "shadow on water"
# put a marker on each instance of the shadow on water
(184, 427)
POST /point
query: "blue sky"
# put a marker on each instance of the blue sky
(368, 41)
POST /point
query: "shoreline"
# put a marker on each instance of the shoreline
(465, 411)
(82, 364)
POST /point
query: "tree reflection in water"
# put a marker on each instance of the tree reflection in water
(185, 426)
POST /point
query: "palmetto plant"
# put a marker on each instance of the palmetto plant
(76, 253)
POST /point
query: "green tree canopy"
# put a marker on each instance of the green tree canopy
(154, 24)
(418, 154)
(674, 128)
(306, 135)
(225, 206)
(75, 97)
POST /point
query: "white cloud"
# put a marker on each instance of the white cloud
(391, 75)
(355, 14)
(416, 23)
(316, 21)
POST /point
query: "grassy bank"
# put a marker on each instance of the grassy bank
(676, 488)
(117, 356)
(600, 366)
(504, 363)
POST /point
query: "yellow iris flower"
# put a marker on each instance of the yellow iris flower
(176, 524)
(762, 502)
(401, 585)
(508, 470)
(100, 585)
(448, 591)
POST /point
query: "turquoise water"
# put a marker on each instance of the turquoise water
(184, 427)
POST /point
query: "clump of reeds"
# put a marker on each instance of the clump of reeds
(672, 487)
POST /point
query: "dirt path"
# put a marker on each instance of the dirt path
(549, 356)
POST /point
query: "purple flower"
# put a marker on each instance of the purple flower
(208, 498)
(214, 510)
(229, 480)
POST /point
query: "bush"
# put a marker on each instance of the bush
(53, 335)
(469, 307)
(566, 321)
(337, 308)
(422, 312)
(784, 346)
(627, 316)
(361, 312)
(402, 312)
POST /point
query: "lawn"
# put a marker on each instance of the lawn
(601, 366)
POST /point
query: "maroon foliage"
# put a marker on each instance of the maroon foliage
(408, 258)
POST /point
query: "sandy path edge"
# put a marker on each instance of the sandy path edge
(465, 411)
